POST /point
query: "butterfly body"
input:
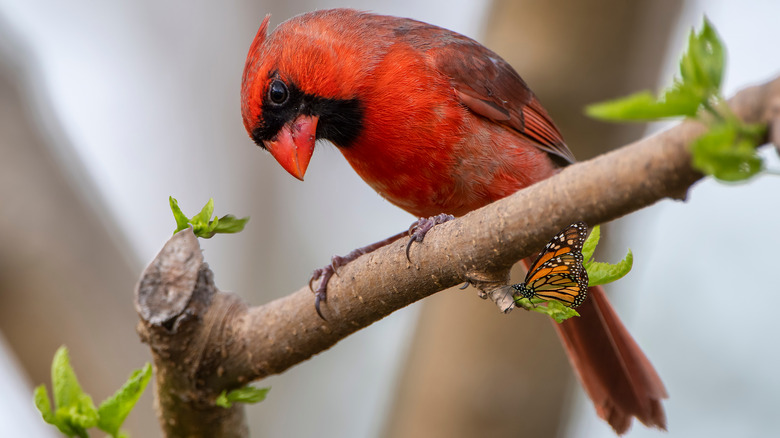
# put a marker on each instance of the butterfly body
(557, 273)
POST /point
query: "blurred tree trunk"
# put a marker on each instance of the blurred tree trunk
(63, 277)
(472, 371)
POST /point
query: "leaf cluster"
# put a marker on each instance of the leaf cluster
(203, 225)
(728, 150)
(74, 412)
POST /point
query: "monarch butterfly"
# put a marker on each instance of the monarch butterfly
(558, 273)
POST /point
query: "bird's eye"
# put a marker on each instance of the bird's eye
(277, 92)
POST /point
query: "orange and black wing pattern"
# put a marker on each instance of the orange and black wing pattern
(558, 273)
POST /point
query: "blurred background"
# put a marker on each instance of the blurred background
(107, 108)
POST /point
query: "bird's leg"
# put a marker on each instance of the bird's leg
(419, 229)
(416, 233)
(324, 273)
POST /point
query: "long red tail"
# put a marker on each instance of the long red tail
(617, 376)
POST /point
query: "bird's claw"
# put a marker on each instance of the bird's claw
(318, 297)
(416, 233)
(420, 228)
(336, 262)
(323, 274)
(321, 292)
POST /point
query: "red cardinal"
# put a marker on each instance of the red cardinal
(436, 123)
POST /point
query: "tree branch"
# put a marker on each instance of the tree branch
(204, 341)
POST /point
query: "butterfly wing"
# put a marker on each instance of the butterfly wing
(558, 273)
(567, 242)
(569, 263)
(564, 288)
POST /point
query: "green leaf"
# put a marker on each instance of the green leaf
(643, 106)
(63, 425)
(701, 74)
(246, 394)
(553, 309)
(74, 410)
(205, 213)
(231, 224)
(682, 99)
(67, 390)
(589, 247)
(638, 106)
(182, 222)
(702, 64)
(222, 400)
(114, 410)
(42, 402)
(206, 230)
(600, 272)
(728, 151)
(80, 416)
(603, 273)
(68, 395)
(558, 311)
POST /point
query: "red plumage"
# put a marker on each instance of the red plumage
(435, 123)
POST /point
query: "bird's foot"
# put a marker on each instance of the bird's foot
(324, 273)
(416, 233)
(419, 229)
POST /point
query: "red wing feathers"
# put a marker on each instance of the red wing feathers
(490, 87)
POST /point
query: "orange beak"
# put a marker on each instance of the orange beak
(293, 146)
